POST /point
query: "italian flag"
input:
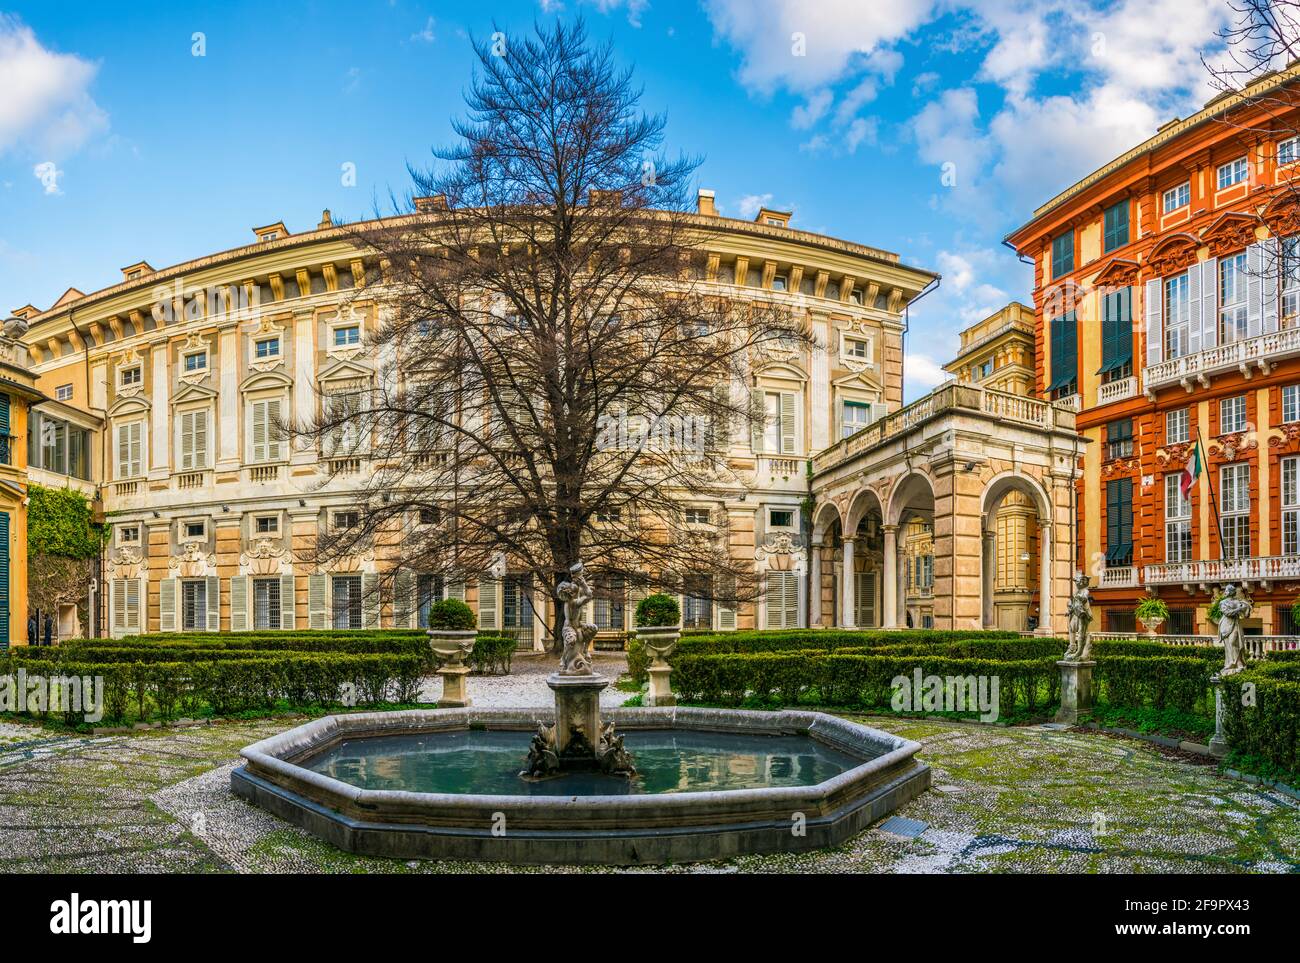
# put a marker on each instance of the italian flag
(1191, 471)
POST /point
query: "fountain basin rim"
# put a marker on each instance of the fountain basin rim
(278, 755)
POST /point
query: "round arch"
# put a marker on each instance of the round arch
(914, 493)
(864, 501)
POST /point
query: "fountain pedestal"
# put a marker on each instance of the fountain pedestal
(577, 717)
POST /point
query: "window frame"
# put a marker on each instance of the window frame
(1181, 195)
(1178, 520)
(1240, 424)
(1294, 403)
(1239, 172)
(1185, 435)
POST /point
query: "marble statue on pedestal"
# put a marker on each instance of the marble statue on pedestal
(575, 634)
(1232, 609)
(1079, 612)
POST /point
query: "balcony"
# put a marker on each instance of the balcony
(1117, 390)
(1069, 403)
(1257, 646)
(190, 480)
(262, 474)
(1208, 572)
(1123, 576)
(1242, 356)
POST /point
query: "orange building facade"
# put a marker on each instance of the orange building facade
(1167, 313)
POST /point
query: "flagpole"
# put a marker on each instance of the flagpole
(1209, 480)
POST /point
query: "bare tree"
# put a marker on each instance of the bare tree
(557, 379)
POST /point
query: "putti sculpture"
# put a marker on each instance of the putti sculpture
(577, 740)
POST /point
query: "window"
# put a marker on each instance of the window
(132, 376)
(1178, 521)
(696, 516)
(343, 437)
(1287, 152)
(1177, 430)
(430, 516)
(855, 296)
(517, 604)
(194, 605)
(428, 589)
(1290, 507)
(857, 415)
(129, 446)
(1065, 368)
(1177, 197)
(194, 440)
(266, 524)
(1291, 403)
(194, 530)
(1290, 281)
(128, 535)
(778, 409)
(266, 603)
(1062, 254)
(780, 518)
(1121, 620)
(779, 282)
(267, 348)
(1119, 522)
(347, 335)
(1115, 226)
(1116, 335)
(857, 348)
(609, 515)
(1181, 622)
(1234, 492)
(609, 603)
(63, 393)
(345, 520)
(197, 361)
(985, 370)
(1232, 414)
(346, 596)
(266, 434)
(697, 602)
(1178, 308)
(1232, 298)
(1119, 439)
(1233, 173)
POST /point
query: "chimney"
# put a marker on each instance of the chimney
(325, 220)
(704, 204)
(428, 205)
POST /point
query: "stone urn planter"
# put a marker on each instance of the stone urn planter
(452, 647)
(1153, 625)
(659, 642)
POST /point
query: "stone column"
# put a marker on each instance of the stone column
(1218, 742)
(902, 586)
(1044, 578)
(848, 618)
(987, 580)
(815, 597)
(890, 577)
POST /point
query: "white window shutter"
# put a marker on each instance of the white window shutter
(1155, 305)
(214, 603)
(789, 423)
(259, 431)
(456, 590)
(288, 606)
(1195, 323)
(123, 451)
(758, 419)
(239, 620)
(369, 600)
(167, 591)
(405, 603)
(636, 591)
(487, 603)
(273, 439)
(136, 592)
(726, 612)
(1209, 303)
(317, 600)
(1255, 269)
(1272, 284)
(117, 607)
(187, 440)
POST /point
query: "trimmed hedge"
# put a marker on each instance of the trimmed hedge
(1156, 682)
(492, 655)
(1265, 727)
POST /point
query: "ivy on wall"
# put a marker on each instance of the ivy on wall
(59, 523)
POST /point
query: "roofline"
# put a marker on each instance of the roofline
(339, 232)
(1220, 105)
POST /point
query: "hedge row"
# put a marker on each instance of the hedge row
(224, 687)
(1156, 681)
(1263, 724)
(864, 681)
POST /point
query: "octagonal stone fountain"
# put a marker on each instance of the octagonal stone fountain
(626, 787)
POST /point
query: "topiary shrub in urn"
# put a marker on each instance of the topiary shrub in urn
(1152, 612)
(451, 636)
(658, 628)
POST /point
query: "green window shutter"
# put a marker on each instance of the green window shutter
(369, 601)
(789, 423)
(487, 603)
(214, 603)
(317, 600)
(404, 607)
(288, 606)
(239, 620)
(4, 414)
(167, 605)
(1115, 222)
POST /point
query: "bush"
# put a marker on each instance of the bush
(1156, 681)
(452, 614)
(1263, 732)
(492, 655)
(657, 610)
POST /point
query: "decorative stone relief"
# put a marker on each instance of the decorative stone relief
(1231, 445)
(193, 562)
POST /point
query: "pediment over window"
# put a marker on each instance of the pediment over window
(1062, 298)
(1234, 231)
(780, 369)
(132, 405)
(1117, 273)
(1173, 254)
(859, 379)
(1282, 215)
(193, 393)
(265, 381)
(345, 369)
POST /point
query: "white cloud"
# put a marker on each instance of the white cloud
(48, 174)
(47, 106)
(426, 35)
(751, 203)
(634, 7)
(920, 374)
(864, 130)
(808, 113)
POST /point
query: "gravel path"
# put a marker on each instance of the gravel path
(526, 686)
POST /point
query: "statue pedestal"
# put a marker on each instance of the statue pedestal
(661, 690)
(1218, 744)
(577, 717)
(455, 693)
(1076, 690)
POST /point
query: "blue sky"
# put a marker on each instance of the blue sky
(926, 127)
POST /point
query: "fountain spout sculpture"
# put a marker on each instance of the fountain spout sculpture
(577, 740)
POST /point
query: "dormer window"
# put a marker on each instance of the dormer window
(347, 335)
(134, 275)
(195, 361)
(270, 235)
